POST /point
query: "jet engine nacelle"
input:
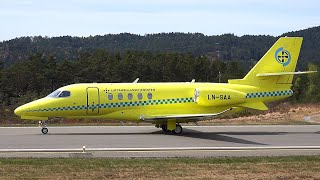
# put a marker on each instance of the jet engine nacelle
(218, 97)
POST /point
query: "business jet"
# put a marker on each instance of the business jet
(167, 105)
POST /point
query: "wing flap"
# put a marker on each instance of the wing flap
(182, 116)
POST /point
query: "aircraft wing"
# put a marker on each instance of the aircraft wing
(182, 116)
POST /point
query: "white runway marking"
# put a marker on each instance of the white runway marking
(168, 149)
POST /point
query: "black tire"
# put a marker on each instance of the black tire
(178, 129)
(44, 130)
(164, 128)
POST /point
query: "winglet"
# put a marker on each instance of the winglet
(136, 81)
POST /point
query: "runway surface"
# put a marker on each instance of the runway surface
(148, 141)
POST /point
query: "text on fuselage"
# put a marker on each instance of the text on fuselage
(219, 97)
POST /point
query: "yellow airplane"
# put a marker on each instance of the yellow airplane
(168, 104)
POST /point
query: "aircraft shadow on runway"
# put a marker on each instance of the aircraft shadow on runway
(223, 136)
(227, 136)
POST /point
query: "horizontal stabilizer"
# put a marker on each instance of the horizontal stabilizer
(255, 105)
(284, 73)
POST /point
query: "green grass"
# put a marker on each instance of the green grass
(138, 161)
(171, 168)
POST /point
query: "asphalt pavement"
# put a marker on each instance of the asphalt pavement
(148, 141)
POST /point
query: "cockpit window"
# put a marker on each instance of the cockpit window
(64, 94)
(59, 93)
(54, 93)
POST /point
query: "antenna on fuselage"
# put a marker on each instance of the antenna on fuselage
(219, 76)
(193, 80)
(135, 81)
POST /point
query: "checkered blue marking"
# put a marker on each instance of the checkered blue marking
(269, 94)
(119, 104)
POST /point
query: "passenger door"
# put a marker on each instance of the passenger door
(93, 100)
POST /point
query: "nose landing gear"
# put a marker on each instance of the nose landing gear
(43, 125)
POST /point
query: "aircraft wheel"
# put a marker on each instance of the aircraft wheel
(44, 130)
(178, 129)
(164, 128)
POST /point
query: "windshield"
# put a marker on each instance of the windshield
(59, 93)
(64, 94)
(54, 93)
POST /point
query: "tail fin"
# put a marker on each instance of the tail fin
(277, 66)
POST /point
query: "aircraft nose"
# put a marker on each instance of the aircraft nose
(18, 111)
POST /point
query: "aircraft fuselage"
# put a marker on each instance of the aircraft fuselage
(131, 101)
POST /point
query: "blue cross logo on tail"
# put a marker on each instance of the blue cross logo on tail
(283, 56)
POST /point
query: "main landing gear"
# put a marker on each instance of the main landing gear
(177, 130)
(43, 125)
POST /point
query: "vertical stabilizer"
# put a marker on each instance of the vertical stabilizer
(282, 57)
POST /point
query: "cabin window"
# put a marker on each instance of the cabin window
(149, 95)
(65, 94)
(110, 96)
(130, 96)
(139, 96)
(120, 96)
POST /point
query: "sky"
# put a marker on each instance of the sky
(210, 17)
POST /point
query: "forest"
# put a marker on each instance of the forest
(226, 47)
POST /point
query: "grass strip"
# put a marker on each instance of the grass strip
(304, 167)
